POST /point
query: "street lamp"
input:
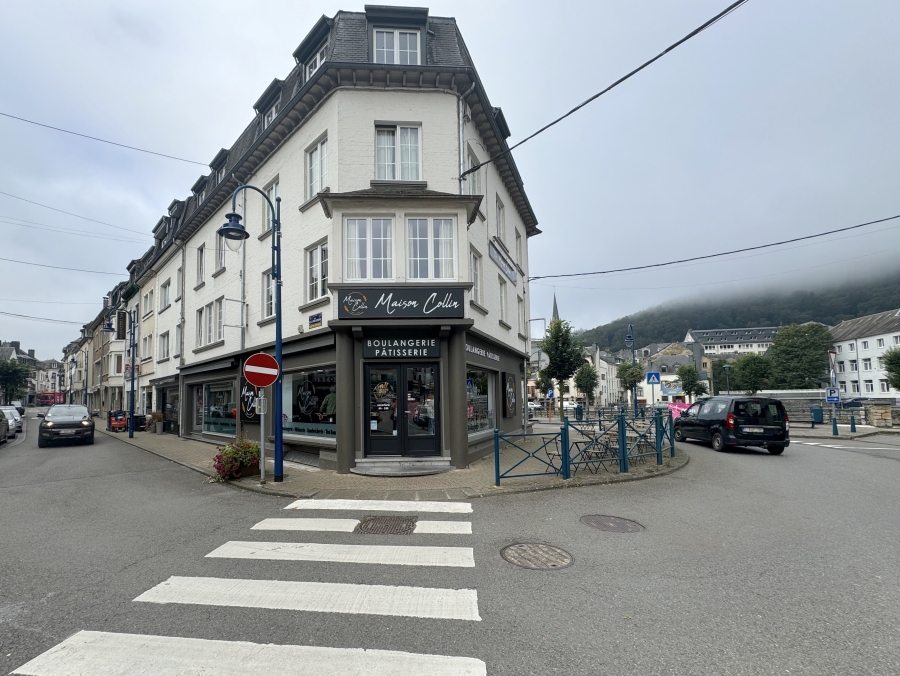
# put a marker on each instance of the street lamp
(727, 368)
(234, 234)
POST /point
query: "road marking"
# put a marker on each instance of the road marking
(456, 557)
(444, 527)
(320, 597)
(107, 654)
(332, 525)
(385, 505)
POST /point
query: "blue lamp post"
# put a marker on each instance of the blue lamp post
(109, 328)
(235, 234)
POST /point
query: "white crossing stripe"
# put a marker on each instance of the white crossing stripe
(455, 557)
(385, 505)
(320, 597)
(333, 525)
(349, 525)
(444, 527)
(107, 654)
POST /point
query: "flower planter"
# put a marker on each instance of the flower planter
(251, 469)
(159, 428)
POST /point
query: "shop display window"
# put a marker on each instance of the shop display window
(479, 400)
(219, 409)
(310, 402)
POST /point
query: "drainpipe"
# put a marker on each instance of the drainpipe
(460, 109)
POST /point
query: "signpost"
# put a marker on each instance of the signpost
(832, 360)
(653, 379)
(832, 395)
(629, 342)
(261, 370)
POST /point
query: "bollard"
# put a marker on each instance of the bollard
(852, 423)
(834, 427)
(496, 457)
(623, 445)
(659, 442)
(564, 449)
(671, 425)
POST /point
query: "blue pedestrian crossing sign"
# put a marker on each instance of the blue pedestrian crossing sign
(832, 395)
(653, 378)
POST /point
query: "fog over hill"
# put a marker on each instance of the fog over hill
(770, 308)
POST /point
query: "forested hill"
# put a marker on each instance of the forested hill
(670, 323)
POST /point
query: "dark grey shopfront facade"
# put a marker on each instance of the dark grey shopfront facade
(424, 385)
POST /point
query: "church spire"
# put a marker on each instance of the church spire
(555, 317)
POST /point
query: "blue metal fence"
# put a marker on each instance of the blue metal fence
(590, 445)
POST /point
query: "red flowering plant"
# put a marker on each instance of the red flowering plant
(229, 459)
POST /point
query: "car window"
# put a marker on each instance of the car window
(9, 415)
(693, 410)
(707, 408)
(74, 411)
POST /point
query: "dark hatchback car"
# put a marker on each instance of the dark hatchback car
(65, 422)
(736, 421)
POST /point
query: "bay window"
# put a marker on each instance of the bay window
(430, 248)
(397, 143)
(369, 248)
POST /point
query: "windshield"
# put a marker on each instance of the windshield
(68, 412)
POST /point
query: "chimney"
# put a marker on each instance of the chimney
(15, 343)
(105, 302)
(31, 353)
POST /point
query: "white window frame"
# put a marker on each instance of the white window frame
(852, 347)
(147, 347)
(200, 326)
(476, 274)
(267, 307)
(867, 364)
(220, 318)
(395, 49)
(896, 340)
(210, 323)
(880, 342)
(163, 349)
(393, 170)
(519, 253)
(220, 251)
(865, 345)
(841, 367)
(317, 168)
(520, 315)
(369, 260)
(316, 61)
(430, 260)
(869, 385)
(201, 264)
(148, 302)
(840, 349)
(843, 386)
(272, 194)
(854, 366)
(271, 113)
(220, 174)
(502, 297)
(165, 294)
(179, 282)
(854, 385)
(884, 385)
(473, 180)
(177, 340)
(317, 271)
(500, 220)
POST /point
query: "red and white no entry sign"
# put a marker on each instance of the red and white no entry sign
(261, 369)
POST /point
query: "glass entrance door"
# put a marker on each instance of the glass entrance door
(403, 405)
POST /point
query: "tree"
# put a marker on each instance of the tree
(892, 367)
(586, 379)
(800, 356)
(14, 376)
(752, 372)
(543, 383)
(629, 375)
(720, 380)
(690, 380)
(564, 353)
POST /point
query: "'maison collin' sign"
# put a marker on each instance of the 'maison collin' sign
(403, 302)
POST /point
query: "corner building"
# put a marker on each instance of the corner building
(404, 292)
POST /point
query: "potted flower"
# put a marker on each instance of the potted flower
(156, 418)
(236, 459)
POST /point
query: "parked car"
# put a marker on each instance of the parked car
(66, 421)
(736, 421)
(4, 429)
(857, 402)
(569, 405)
(17, 415)
(10, 420)
(534, 406)
(20, 407)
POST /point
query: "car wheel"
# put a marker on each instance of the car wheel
(679, 435)
(775, 450)
(718, 443)
(41, 442)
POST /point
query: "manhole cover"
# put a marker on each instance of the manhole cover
(612, 524)
(536, 556)
(386, 525)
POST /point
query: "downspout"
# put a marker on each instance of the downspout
(460, 110)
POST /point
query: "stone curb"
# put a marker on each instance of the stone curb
(469, 492)
(845, 437)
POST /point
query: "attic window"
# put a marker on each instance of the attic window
(397, 47)
(271, 114)
(317, 60)
(201, 195)
(220, 174)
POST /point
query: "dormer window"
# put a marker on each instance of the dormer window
(317, 60)
(220, 175)
(397, 46)
(271, 114)
(201, 196)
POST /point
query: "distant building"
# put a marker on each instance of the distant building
(13, 350)
(733, 342)
(860, 345)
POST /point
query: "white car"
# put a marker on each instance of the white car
(534, 406)
(18, 416)
(569, 405)
(12, 431)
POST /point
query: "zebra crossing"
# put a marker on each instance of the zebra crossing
(102, 653)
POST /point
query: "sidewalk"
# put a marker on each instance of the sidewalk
(301, 481)
(823, 431)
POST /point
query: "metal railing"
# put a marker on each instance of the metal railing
(589, 444)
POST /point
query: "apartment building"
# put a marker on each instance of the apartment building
(860, 345)
(730, 343)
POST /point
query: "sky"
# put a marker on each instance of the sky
(777, 122)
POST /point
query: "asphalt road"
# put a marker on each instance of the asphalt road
(748, 564)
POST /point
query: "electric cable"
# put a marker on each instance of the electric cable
(721, 15)
(44, 302)
(94, 138)
(66, 231)
(69, 213)
(57, 267)
(716, 255)
(40, 319)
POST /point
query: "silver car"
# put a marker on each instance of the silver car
(11, 430)
(17, 415)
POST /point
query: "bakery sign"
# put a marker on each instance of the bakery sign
(401, 347)
(401, 302)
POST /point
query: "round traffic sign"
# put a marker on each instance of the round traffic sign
(261, 369)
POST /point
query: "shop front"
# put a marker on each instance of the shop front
(168, 402)
(209, 401)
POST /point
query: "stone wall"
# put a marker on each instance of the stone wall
(879, 414)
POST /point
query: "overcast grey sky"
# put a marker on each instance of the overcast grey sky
(779, 121)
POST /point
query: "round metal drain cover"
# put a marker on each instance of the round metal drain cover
(536, 556)
(386, 525)
(612, 524)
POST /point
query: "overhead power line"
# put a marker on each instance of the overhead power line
(69, 213)
(40, 319)
(57, 267)
(721, 15)
(716, 255)
(94, 138)
(67, 231)
(43, 302)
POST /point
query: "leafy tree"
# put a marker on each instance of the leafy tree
(800, 356)
(564, 352)
(586, 379)
(14, 376)
(892, 367)
(752, 372)
(543, 383)
(629, 375)
(720, 381)
(690, 380)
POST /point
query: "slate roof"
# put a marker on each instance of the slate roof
(729, 336)
(870, 325)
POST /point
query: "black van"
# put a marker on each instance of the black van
(736, 421)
